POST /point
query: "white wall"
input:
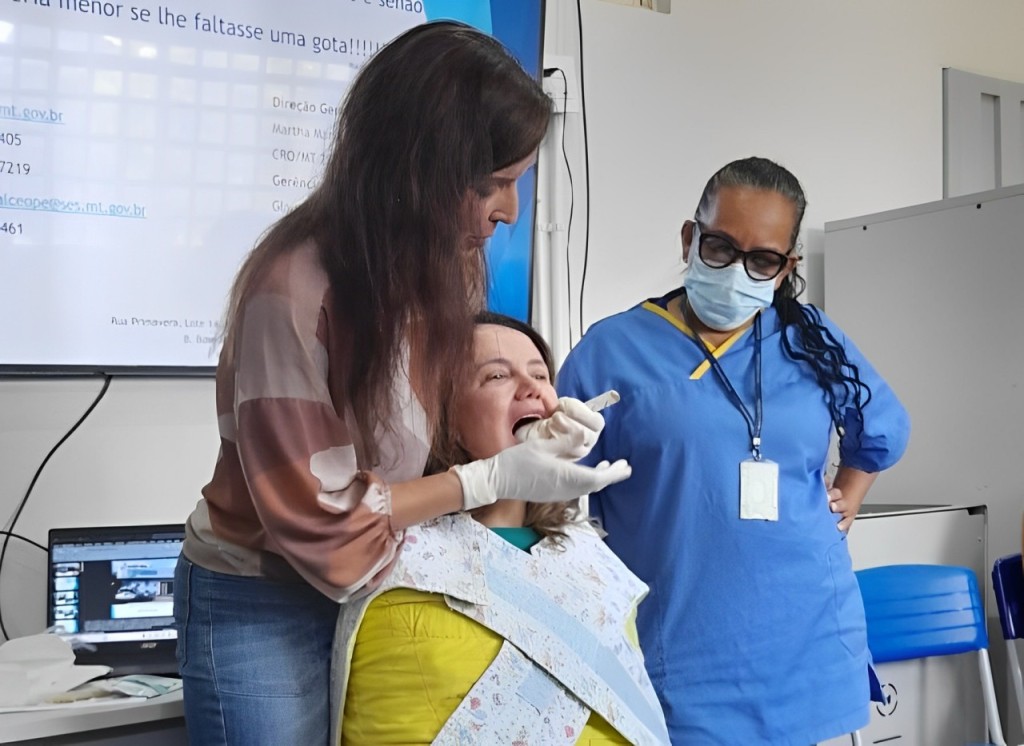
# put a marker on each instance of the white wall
(847, 94)
(141, 457)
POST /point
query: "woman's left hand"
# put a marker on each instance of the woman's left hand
(846, 494)
(837, 503)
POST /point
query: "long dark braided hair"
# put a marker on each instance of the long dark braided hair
(818, 347)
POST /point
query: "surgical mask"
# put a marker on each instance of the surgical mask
(724, 299)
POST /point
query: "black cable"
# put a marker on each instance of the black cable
(586, 164)
(25, 539)
(572, 205)
(8, 531)
(548, 72)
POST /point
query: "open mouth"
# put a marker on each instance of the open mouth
(524, 420)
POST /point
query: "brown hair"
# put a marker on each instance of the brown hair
(426, 122)
(547, 519)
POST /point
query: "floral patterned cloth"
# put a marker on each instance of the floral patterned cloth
(564, 611)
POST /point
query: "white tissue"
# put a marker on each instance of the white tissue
(37, 667)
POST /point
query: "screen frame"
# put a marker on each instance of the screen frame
(519, 44)
(160, 653)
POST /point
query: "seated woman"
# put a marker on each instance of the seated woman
(511, 624)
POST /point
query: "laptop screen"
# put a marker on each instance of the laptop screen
(112, 588)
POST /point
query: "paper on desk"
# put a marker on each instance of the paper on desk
(37, 667)
(141, 685)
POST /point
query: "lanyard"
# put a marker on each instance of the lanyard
(753, 423)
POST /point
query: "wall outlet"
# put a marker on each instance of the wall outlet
(564, 91)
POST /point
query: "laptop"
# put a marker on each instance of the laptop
(110, 593)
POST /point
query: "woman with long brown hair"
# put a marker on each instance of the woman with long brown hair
(346, 328)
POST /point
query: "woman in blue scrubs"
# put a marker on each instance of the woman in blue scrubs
(754, 629)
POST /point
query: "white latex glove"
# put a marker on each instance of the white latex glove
(536, 471)
(579, 421)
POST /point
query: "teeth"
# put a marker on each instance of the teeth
(523, 420)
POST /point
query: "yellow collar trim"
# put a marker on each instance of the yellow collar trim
(679, 324)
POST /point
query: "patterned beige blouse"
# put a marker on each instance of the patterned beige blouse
(289, 446)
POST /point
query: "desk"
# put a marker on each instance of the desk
(159, 721)
(891, 534)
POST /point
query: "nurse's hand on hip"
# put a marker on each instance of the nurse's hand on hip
(846, 492)
(838, 504)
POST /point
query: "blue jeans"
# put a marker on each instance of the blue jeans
(255, 658)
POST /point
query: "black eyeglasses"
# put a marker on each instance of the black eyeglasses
(719, 252)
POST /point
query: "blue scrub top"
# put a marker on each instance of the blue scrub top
(754, 630)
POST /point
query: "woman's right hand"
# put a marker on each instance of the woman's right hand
(571, 419)
(538, 470)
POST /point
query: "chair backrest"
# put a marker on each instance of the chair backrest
(1008, 585)
(917, 611)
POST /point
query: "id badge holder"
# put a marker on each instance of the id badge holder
(759, 490)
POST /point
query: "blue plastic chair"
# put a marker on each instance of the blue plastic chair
(919, 611)
(1008, 585)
